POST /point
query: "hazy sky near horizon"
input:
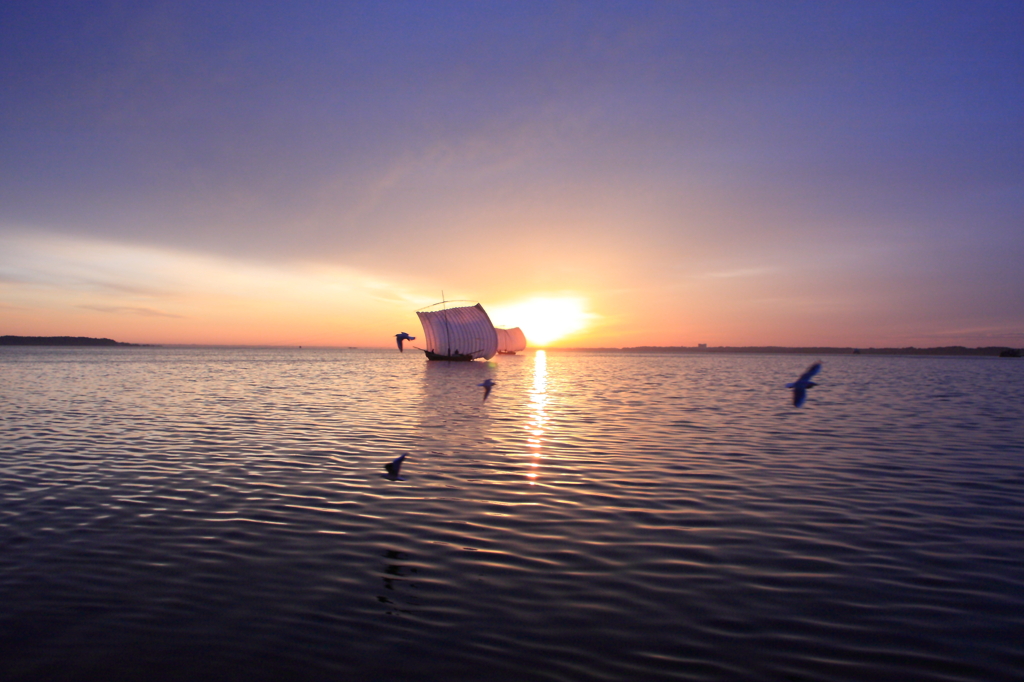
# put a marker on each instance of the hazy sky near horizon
(731, 173)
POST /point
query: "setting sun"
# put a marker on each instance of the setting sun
(542, 319)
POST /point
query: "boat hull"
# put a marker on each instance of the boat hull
(461, 357)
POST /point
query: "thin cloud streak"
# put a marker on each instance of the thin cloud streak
(125, 310)
(200, 299)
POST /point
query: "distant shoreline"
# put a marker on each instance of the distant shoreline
(61, 341)
(987, 351)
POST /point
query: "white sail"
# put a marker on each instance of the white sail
(458, 330)
(511, 340)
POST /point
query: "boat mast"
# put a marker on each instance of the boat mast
(447, 333)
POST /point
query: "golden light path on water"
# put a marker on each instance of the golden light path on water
(538, 413)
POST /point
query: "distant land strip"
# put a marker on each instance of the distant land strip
(60, 341)
(999, 351)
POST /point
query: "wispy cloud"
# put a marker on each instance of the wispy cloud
(105, 284)
(742, 272)
(127, 310)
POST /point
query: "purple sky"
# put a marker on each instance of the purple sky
(792, 173)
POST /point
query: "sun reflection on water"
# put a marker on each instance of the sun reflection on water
(538, 413)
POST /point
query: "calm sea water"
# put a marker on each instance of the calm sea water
(182, 514)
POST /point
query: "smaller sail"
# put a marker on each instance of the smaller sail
(511, 340)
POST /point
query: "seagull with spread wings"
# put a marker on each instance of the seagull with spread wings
(801, 385)
(488, 384)
(403, 337)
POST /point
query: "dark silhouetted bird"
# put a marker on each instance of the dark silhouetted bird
(403, 337)
(393, 467)
(801, 385)
(488, 385)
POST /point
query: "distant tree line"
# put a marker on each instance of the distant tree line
(59, 341)
(1003, 351)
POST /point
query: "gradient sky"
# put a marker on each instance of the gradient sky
(730, 173)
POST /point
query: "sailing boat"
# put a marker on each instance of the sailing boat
(458, 332)
(510, 340)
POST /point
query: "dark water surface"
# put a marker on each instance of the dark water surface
(181, 514)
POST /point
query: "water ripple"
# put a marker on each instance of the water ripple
(176, 514)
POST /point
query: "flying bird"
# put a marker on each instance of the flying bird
(393, 467)
(801, 385)
(488, 385)
(403, 337)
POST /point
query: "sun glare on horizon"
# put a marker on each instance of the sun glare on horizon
(544, 320)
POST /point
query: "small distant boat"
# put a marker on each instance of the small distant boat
(510, 341)
(457, 333)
